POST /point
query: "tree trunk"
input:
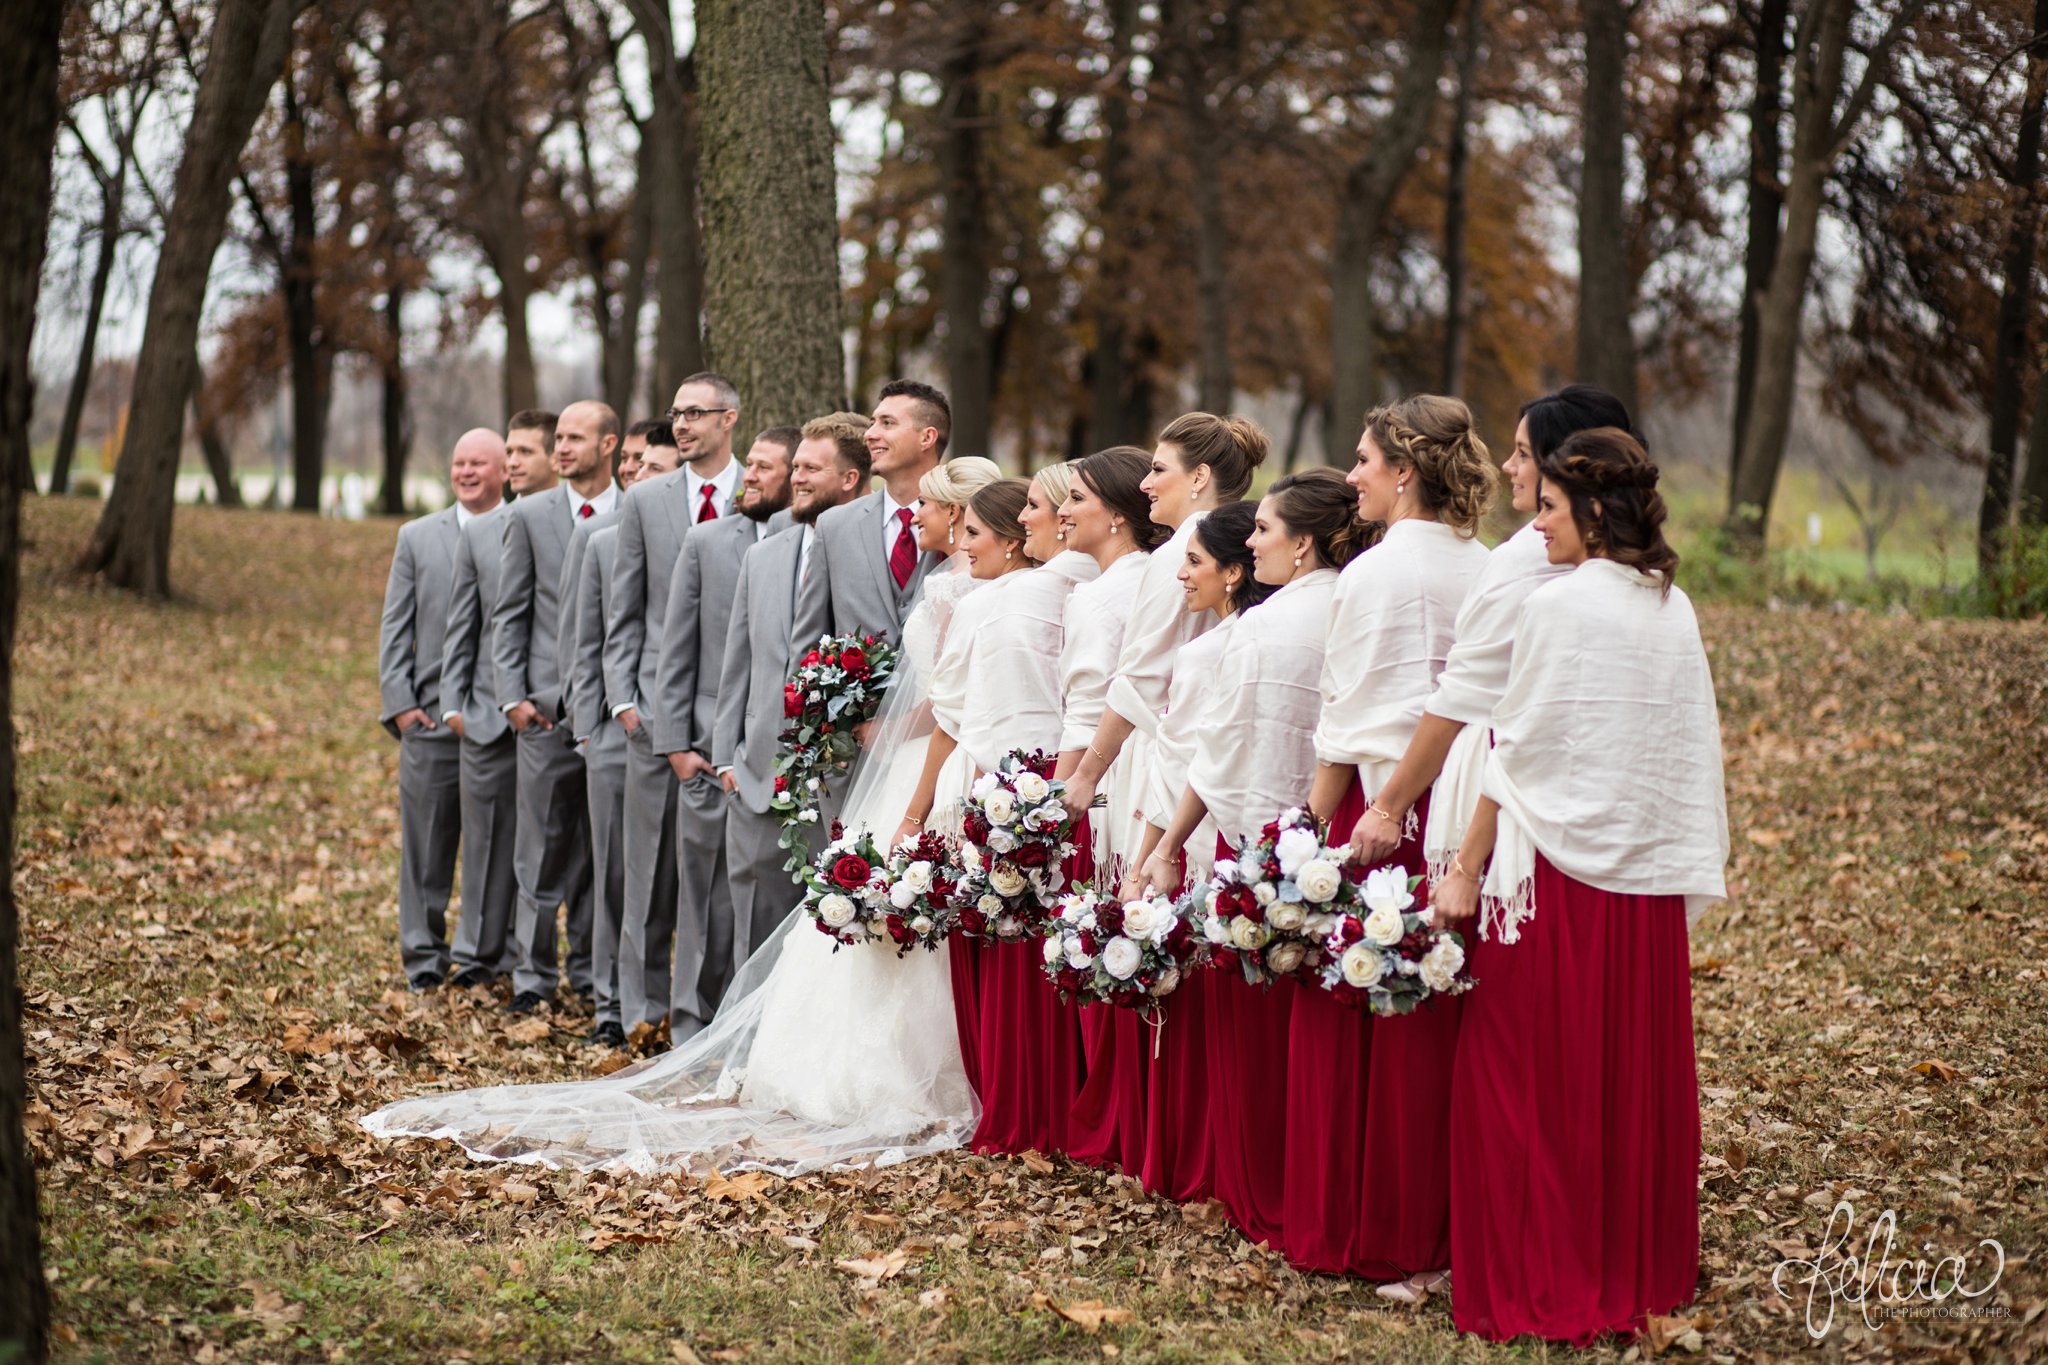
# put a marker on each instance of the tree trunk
(132, 545)
(28, 136)
(1369, 188)
(1766, 203)
(2033, 497)
(397, 420)
(771, 277)
(515, 288)
(227, 491)
(2012, 359)
(622, 341)
(112, 195)
(963, 265)
(1109, 423)
(678, 252)
(1606, 349)
(302, 315)
(1457, 172)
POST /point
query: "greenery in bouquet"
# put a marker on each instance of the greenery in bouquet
(1099, 950)
(1014, 842)
(1274, 906)
(1384, 956)
(833, 689)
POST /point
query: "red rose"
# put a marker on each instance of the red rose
(1089, 943)
(971, 920)
(792, 701)
(1350, 930)
(811, 659)
(1109, 918)
(851, 872)
(1030, 855)
(854, 660)
(1236, 900)
(975, 827)
(1271, 833)
(781, 786)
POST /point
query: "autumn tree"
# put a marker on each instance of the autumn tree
(668, 183)
(2012, 365)
(1607, 355)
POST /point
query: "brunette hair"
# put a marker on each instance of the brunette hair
(1554, 417)
(932, 408)
(1612, 485)
(847, 431)
(1232, 447)
(1057, 478)
(1318, 503)
(1116, 475)
(955, 481)
(1431, 436)
(534, 419)
(1225, 532)
(654, 431)
(724, 389)
(786, 437)
(1000, 507)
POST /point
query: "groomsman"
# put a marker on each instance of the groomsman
(409, 649)
(552, 861)
(469, 698)
(685, 689)
(865, 573)
(830, 466)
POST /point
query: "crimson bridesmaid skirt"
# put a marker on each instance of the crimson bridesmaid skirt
(1177, 1158)
(1107, 1125)
(965, 954)
(1248, 1069)
(1575, 1120)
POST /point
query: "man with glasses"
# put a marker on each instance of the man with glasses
(652, 523)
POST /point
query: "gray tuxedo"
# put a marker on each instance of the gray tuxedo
(746, 735)
(409, 650)
(490, 761)
(848, 589)
(586, 575)
(552, 850)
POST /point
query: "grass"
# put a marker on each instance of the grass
(207, 860)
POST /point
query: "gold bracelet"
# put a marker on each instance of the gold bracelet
(1383, 814)
(1458, 866)
(1098, 754)
(914, 820)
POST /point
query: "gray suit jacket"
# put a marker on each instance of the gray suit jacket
(848, 589)
(654, 519)
(469, 678)
(757, 654)
(526, 626)
(413, 631)
(692, 640)
(586, 572)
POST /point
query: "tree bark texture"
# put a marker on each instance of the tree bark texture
(2033, 496)
(1457, 175)
(1109, 367)
(672, 189)
(1606, 347)
(131, 547)
(113, 192)
(1366, 198)
(771, 277)
(1766, 204)
(396, 415)
(312, 370)
(2012, 361)
(1202, 137)
(28, 136)
(963, 258)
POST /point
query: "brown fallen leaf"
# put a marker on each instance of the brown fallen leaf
(1935, 1069)
(531, 1029)
(1036, 1163)
(1660, 1332)
(877, 1268)
(268, 1307)
(519, 1192)
(1090, 1314)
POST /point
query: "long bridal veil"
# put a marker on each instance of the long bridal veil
(814, 1059)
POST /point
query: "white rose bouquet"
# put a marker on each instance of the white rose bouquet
(1015, 840)
(1386, 955)
(834, 687)
(847, 891)
(1099, 950)
(925, 894)
(1275, 905)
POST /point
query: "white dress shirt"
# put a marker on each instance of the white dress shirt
(599, 505)
(722, 485)
(892, 525)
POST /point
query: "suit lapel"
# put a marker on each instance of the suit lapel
(876, 557)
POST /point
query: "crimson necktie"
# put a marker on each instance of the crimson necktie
(585, 511)
(903, 555)
(707, 512)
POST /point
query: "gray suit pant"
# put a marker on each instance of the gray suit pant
(429, 833)
(762, 893)
(647, 927)
(605, 773)
(704, 921)
(490, 820)
(552, 862)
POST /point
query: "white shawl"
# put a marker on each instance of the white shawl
(1097, 614)
(1188, 701)
(997, 686)
(1606, 748)
(1158, 625)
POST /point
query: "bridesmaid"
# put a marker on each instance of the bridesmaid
(1108, 517)
(1423, 473)
(1606, 822)
(1202, 461)
(1254, 758)
(1216, 577)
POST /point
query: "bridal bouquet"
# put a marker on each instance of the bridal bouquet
(847, 891)
(1277, 903)
(1384, 956)
(832, 689)
(1014, 842)
(923, 894)
(1099, 950)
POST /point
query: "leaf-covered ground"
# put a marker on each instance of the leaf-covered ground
(207, 861)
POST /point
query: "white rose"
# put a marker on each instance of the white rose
(1287, 919)
(921, 926)
(1386, 887)
(1006, 880)
(1441, 963)
(1002, 841)
(836, 910)
(1384, 926)
(1055, 949)
(1295, 847)
(1319, 880)
(808, 816)
(1225, 870)
(984, 786)
(1077, 956)
(1050, 815)
(918, 877)
(1246, 935)
(1213, 930)
(1319, 927)
(1007, 926)
(813, 784)
(1072, 909)
(989, 905)
(1286, 958)
(1362, 965)
(1121, 958)
(1000, 807)
(970, 857)
(1264, 893)
(1141, 919)
(1031, 789)
(1168, 982)
(901, 896)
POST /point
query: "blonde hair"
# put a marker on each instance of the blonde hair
(847, 431)
(1432, 436)
(1056, 480)
(956, 481)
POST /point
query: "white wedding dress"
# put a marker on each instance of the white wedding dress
(815, 1058)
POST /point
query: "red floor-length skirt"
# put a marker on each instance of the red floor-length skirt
(1575, 1120)
(1032, 1065)
(1178, 1158)
(1248, 1069)
(1107, 1125)
(964, 955)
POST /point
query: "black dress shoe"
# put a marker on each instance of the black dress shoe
(526, 1002)
(424, 982)
(471, 977)
(609, 1034)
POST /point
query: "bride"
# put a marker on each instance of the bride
(816, 1058)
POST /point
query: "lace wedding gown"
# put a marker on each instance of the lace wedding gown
(816, 1058)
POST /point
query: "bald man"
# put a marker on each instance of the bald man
(409, 652)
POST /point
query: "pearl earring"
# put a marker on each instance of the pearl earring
(1297, 561)
(1009, 555)
(1399, 489)
(949, 535)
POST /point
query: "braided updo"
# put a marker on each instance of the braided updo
(1612, 484)
(1432, 437)
(1320, 504)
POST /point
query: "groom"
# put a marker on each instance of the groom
(864, 573)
